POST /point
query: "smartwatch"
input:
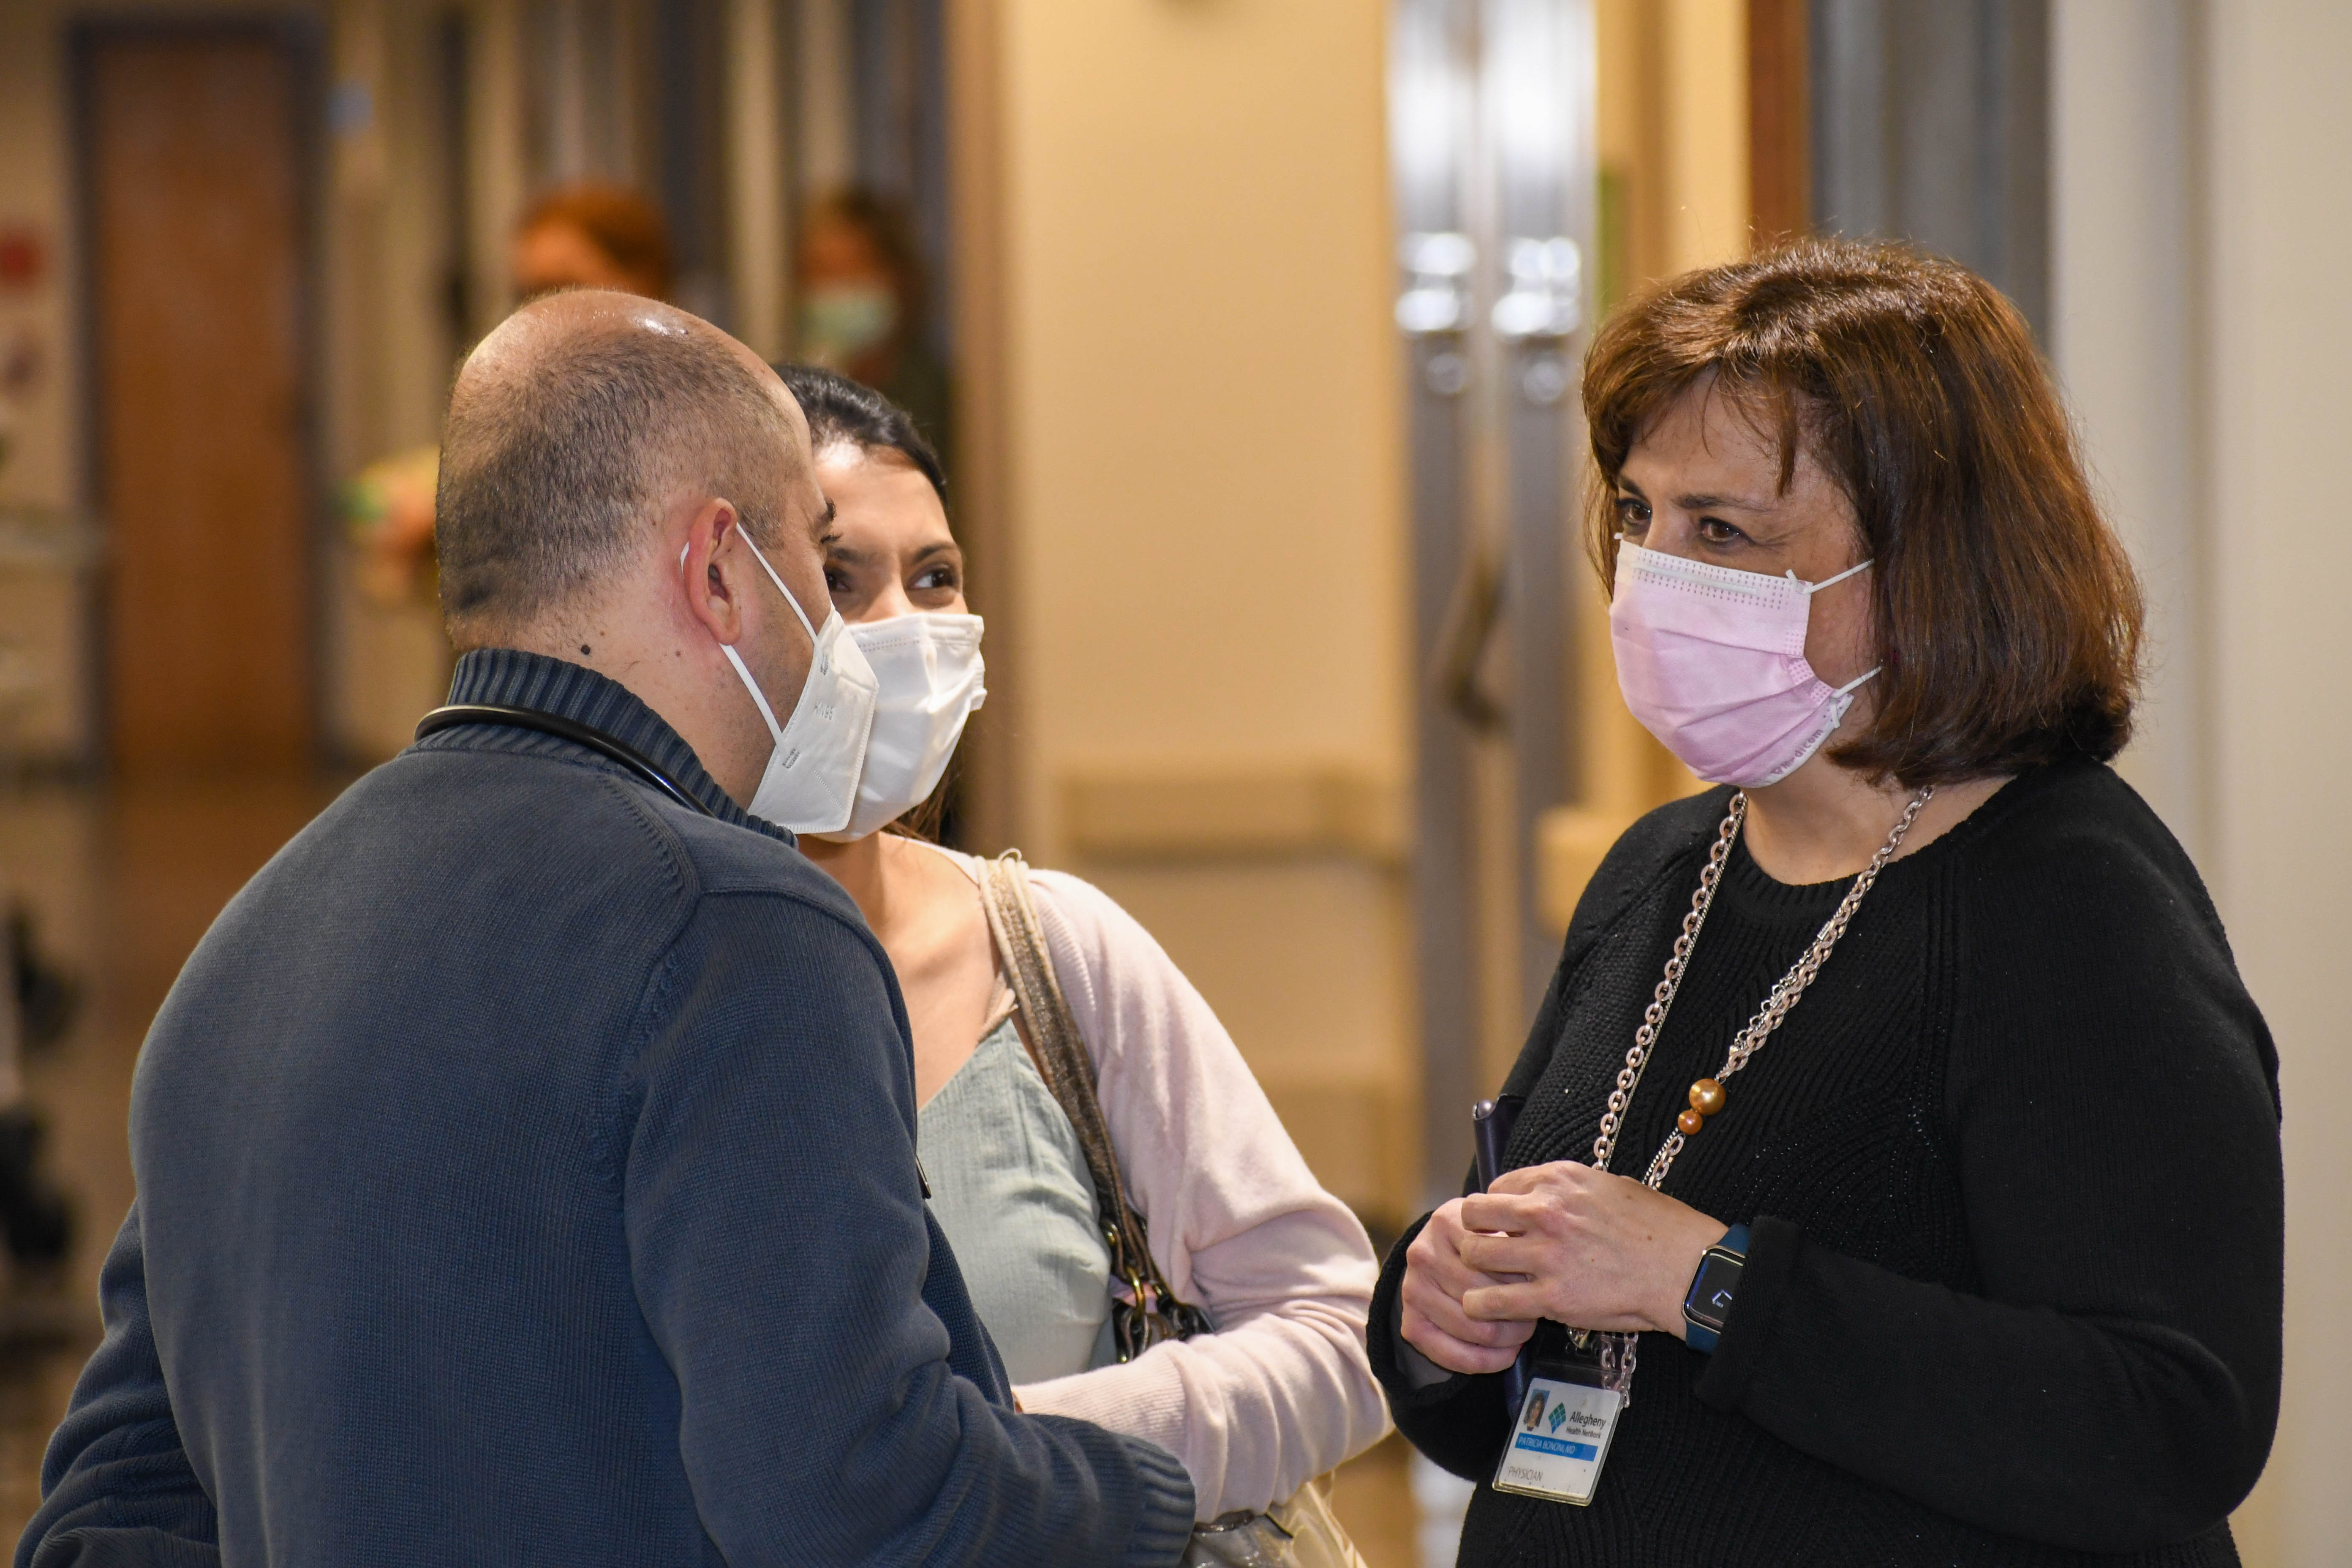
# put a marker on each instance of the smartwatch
(1708, 1306)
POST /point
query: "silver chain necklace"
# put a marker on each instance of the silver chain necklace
(1706, 1096)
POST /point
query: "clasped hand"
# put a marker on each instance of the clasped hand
(1561, 1241)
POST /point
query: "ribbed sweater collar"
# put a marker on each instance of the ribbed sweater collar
(511, 678)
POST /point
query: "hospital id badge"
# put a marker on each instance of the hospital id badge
(1561, 1437)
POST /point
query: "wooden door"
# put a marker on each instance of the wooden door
(194, 200)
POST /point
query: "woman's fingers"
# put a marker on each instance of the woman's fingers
(1508, 1303)
(1436, 1252)
(1504, 1257)
(1514, 1302)
(1567, 1176)
(1437, 1303)
(1453, 1355)
(1567, 1242)
(1488, 1213)
(1436, 1277)
(1444, 1312)
(1523, 1199)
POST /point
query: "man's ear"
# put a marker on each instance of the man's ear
(714, 593)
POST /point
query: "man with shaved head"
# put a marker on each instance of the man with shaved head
(526, 1157)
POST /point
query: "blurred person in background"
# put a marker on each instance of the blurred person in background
(38, 1001)
(592, 236)
(526, 1156)
(1899, 1178)
(585, 236)
(864, 307)
(1274, 1389)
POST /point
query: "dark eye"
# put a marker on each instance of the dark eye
(1714, 531)
(836, 581)
(1632, 514)
(940, 578)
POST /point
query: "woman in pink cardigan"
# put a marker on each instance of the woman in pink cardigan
(1279, 1391)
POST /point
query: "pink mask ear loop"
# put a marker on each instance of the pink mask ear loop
(1812, 588)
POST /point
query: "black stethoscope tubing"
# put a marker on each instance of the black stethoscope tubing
(571, 730)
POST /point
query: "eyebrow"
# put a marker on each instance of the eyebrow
(853, 554)
(1701, 501)
(1707, 501)
(819, 526)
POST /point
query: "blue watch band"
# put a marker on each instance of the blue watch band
(1726, 1257)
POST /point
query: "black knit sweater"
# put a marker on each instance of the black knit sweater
(2012, 1168)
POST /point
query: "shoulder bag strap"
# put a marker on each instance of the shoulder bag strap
(1062, 1060)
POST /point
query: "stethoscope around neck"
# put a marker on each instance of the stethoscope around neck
(611, 747)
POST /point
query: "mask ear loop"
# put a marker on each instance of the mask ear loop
(1812, 588)
(743, 670)
(1851, 686)
(760, 556)
(798, 614)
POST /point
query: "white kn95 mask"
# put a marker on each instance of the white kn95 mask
(812, 777)
(931, 680)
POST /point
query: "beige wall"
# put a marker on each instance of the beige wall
(1704, 106)
(2124, 298)
(1206, 531)
(2204, 207)
(1204, 384)
(2277, 228)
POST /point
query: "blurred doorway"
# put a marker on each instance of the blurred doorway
(194, 196)
(1491, 106)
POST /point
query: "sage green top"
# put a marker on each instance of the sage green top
(1010, 1186)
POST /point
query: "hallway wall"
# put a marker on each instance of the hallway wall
(2279, 335)
(1198, 394)
(2203, 206)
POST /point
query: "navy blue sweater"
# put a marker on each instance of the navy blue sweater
(527, 1173)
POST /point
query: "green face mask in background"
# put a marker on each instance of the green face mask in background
(841, 321)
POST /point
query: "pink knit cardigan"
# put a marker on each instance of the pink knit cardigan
(1282, 1392)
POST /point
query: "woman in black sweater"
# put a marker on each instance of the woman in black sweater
(1961, 1132)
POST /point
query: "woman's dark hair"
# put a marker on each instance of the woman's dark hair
(845, 412)
(2009, 618)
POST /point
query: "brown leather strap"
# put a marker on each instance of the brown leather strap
(1052, 1032)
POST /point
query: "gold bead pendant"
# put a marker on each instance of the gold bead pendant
(1706, 1099)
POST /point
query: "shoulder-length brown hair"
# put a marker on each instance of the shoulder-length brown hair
(2008, 615)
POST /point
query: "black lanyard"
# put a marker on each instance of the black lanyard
(571, 730)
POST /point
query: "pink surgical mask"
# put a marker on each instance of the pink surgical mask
(1712, 662)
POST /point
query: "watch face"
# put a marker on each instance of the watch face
(1711, 1292)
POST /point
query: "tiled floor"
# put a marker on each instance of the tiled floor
(124, 885)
